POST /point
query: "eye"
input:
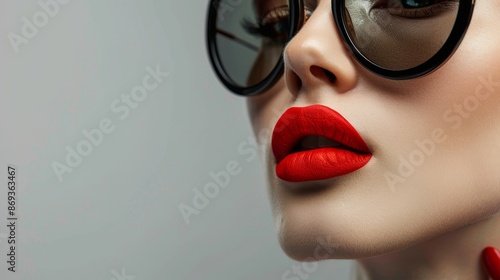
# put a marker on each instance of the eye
(420, 8)
(417, 3)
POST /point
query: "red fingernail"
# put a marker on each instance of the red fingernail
(491, 258)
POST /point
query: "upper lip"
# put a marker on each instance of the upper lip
(315, 120)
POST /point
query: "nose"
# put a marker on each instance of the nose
(316, 56)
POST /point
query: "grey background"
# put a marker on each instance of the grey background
(116, 216)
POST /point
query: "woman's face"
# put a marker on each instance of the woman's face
(434, 141)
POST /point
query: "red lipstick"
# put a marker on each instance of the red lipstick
(316, 143)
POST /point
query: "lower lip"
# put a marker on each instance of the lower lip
(320, 164)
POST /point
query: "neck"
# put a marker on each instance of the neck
(451, 256)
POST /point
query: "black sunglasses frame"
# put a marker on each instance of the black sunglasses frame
(459, 30)
(296, 11)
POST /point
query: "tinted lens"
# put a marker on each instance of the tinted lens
(400, 34)
(250, 36)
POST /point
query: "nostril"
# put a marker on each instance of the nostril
(331, 77)
(323, 73)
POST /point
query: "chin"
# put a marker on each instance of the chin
(321, 226)
(306, 239)
(335, 234)
(358, 216)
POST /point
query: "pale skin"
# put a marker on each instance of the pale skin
(431, 223)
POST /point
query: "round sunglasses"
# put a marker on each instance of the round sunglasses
(395, 39)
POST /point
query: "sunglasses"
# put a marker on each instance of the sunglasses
(395, 39)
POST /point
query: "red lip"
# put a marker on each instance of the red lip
(319, 163)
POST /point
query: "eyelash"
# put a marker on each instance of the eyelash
(267, 27)
(263, 29)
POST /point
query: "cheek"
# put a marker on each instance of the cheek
(439, 142)
(443, 130)
(470, 110)
(265, 109)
